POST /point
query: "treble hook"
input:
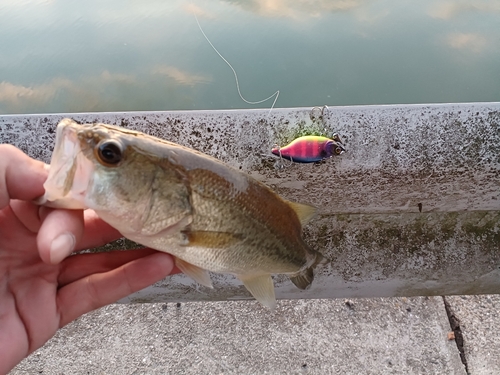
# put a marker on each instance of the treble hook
(277, 148)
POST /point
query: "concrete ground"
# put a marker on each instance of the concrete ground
(359, 336)
(479, 317)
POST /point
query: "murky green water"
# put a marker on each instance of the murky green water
(74, 56)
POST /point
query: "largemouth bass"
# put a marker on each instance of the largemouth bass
(208, 215)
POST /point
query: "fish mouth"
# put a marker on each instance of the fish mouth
(70, 172)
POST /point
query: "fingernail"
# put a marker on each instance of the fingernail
(61, 247)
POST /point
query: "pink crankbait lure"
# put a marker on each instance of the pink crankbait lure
(310, 149)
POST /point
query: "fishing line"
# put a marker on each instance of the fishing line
(277, 93)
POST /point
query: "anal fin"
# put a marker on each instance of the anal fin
(261, 287)
(198, 274)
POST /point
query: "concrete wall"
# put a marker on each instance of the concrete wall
(442, 158)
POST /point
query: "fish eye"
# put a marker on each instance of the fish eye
(109, 152)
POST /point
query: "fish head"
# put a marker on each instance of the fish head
(118, 173)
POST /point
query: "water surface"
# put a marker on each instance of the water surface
(73, 56)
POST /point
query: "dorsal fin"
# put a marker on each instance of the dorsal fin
(303, 211)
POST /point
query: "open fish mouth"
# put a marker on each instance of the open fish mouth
(70, 171)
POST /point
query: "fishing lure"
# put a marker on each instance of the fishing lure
(310, 149)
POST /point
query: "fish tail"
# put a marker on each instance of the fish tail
(305, 277)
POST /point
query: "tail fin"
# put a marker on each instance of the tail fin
(305, 277)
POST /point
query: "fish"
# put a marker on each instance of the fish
(208, 215)
(310, 149)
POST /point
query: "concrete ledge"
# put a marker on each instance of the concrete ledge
(442, 160)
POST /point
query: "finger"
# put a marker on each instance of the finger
(59, 233)
(101, 289)
(96, 232)
(83, 265)
(12, 230)
(21, 177)
(27, 213)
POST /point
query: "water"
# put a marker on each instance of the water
(73, 56)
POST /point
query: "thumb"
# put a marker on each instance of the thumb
(61, 230)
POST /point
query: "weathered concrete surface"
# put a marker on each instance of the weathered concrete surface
(379, 255)
(478, 319)
(370, 336)
(443, 160)
(446, 157)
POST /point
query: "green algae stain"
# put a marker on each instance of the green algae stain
(484, 226)
(448, 225)
(301, 129)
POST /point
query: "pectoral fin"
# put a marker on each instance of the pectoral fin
(211, 240)
(198, 274)
(261, 287)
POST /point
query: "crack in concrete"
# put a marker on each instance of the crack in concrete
(459, 338)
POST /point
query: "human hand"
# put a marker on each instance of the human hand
(40, 289)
